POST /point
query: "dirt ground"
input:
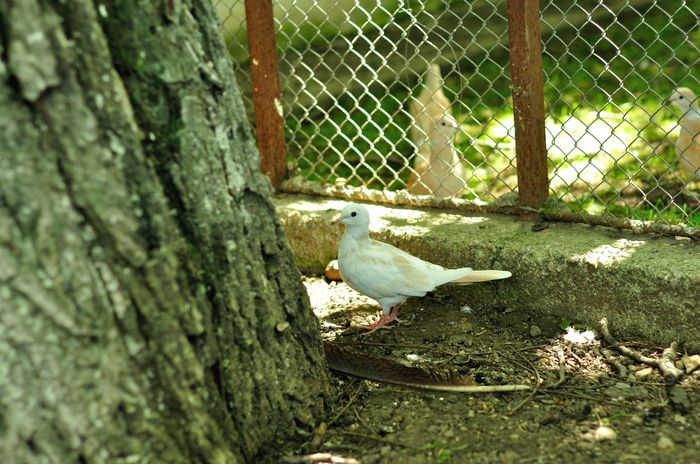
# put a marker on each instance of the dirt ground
(583, 410)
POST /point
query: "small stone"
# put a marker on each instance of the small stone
(665, 443)
(535, 331)
(644, 373)
(332, 272)
(602, 433)
(282, 326)
(691, 363)
(466, 309)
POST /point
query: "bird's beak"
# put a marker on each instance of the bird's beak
(337, 220)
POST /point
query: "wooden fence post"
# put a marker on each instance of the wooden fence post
(267, 103)
(528, 101)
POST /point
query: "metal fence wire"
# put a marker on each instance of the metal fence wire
(416, 95)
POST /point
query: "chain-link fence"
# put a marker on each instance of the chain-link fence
(366, 85)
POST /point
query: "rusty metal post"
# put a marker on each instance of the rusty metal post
(528, 101)
(264, 70)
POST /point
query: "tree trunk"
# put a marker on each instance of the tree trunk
(150, 309)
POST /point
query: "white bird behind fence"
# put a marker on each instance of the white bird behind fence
(444, 174)
(688, 142)
(430, 104)
(388, 274)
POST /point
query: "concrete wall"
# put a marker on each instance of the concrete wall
(645, 285)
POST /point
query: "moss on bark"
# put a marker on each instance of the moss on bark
(150, 308)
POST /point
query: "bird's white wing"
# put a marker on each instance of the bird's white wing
(385, 271)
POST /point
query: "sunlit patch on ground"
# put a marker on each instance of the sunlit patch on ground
(335, 301)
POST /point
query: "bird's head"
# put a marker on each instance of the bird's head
(353, 216)
(684, 99)
(445, 126)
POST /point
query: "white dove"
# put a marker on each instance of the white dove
(688, 142)
(444, 173)
(388, 274)
(430, 104)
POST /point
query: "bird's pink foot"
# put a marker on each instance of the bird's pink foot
(380, 324)
(384, 319)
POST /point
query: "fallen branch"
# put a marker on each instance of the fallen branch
(621, 369)
(666, 364)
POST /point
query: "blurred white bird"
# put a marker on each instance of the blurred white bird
(388, 274)
(688, 142)
(430, 104)
(443, 175)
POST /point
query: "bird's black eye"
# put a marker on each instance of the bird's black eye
(353, 214)
(680, 97)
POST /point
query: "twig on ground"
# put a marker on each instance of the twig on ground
(577, 358)
(369, 428)
(665, 364)
(319, 458)
(621, 369)
(534, 389)
(629, 352)
(319, 434)
(562, 372)
(352, 399)
(317, 438)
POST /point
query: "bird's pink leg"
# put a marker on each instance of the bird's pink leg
(384, 319)
(394, 313)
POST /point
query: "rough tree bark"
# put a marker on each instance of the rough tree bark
(150, 309)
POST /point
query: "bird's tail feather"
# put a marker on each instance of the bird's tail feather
(481, 276)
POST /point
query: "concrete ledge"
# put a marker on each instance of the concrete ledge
(647, 286)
